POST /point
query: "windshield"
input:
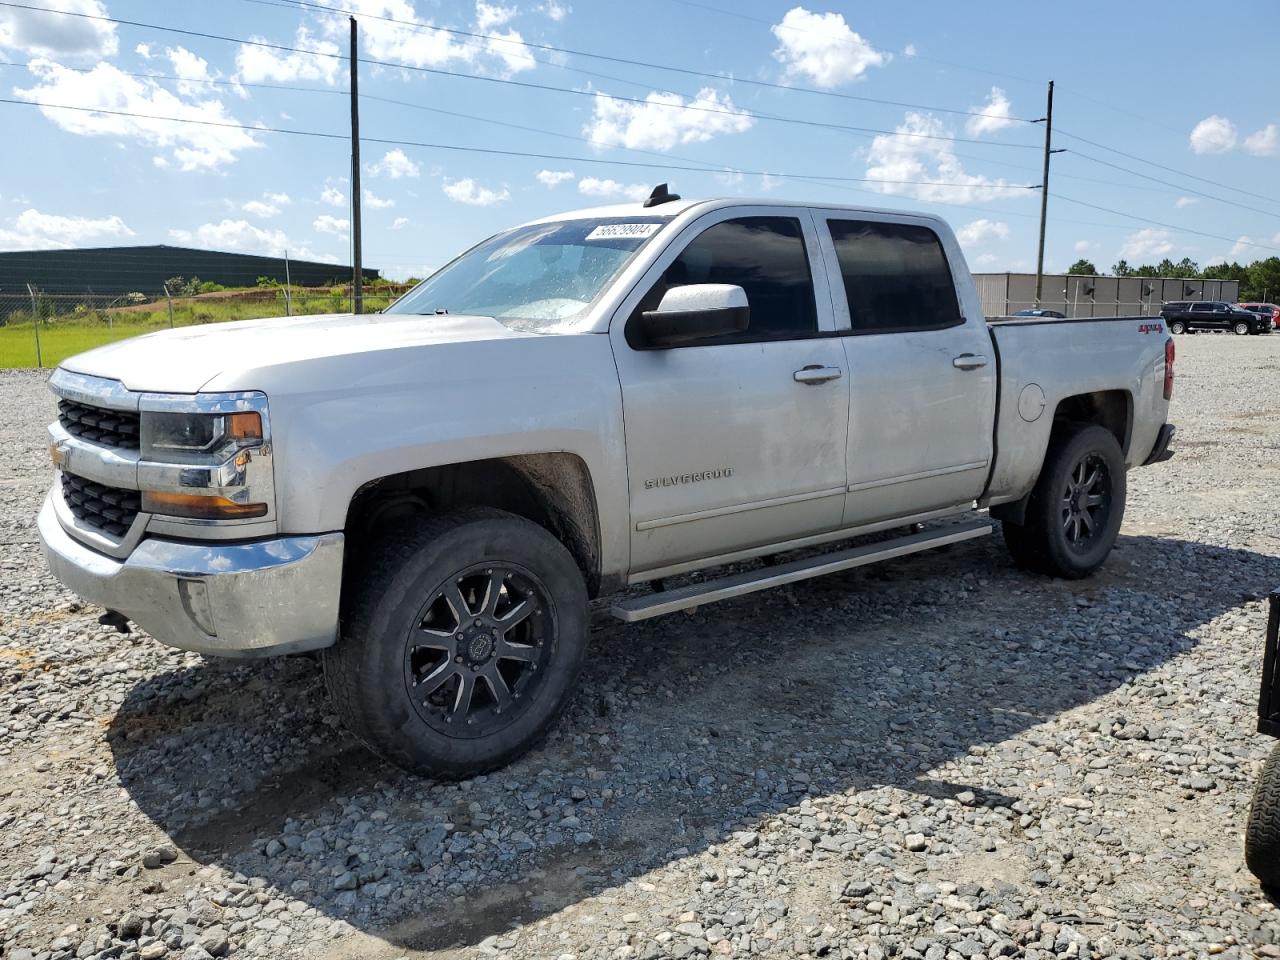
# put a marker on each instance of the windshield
(538, 278)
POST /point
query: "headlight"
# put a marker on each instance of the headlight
(198, 437)
(207, 458)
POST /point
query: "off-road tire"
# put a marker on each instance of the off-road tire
(1177, 327)
(1041, 543)
(368, 671)
(1262, 832)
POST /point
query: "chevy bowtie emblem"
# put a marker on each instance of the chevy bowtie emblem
(58, 453)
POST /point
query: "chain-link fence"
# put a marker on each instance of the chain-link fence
(41, 327)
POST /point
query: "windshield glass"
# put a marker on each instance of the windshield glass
(538, 278)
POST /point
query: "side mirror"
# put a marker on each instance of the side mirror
(696, 311)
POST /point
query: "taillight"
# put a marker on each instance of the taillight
(1168, 369)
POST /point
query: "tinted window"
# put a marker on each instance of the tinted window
(1202, 307)
(766, 257)
(895, 277)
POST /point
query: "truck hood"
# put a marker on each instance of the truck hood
(185, 359)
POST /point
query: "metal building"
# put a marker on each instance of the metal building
(121, 270)
(1084, 296)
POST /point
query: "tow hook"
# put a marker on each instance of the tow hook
(114, 618)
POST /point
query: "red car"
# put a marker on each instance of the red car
(1264, 308)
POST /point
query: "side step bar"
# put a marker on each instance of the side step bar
(739, 584)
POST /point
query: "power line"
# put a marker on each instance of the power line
(525, 84)
(1170, 226)
(495, 38)
(387, 141)
(1181, 173)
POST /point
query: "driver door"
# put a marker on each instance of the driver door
(735, 442)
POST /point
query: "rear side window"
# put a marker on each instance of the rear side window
(766, 257)
(896, 277)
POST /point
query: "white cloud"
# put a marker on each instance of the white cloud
(664, 120)
(193, 146)
(1146, 244)
(995, 115)
(490, 15)
(469, 192)
(908, 155)
(261, 64)
(1185, 202)
(909, 50)
(502, 53)
(821, 48)
(555, 11)
(375, 202)
(36, 34)
(33, 230)
(333, 197)
(1213, 134)
(234, 235)
(980, 231)
(595, 187)
(985, 259)
(400, 223)
(395, 164)
(281, 199)
(1084, 246)
(143, 50)
(192, 69)
(553, 178)
(1264, 143)
(261, 209)
(338, 226)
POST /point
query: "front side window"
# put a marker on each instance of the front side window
(539, 278)
(766, 257)
(896, 277)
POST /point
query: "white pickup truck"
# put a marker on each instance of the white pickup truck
(585, 403)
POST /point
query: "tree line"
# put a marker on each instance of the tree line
(1259, 280)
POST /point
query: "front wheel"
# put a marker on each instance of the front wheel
(1177, 327)
(1241, 328)
(1074, 513)
(1262, 833)
(460, 642)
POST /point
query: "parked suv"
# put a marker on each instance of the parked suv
(1184, 315)
(1266, 309)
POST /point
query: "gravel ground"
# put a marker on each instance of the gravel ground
(943, 757)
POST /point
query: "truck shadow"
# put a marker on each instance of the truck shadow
(685, 730)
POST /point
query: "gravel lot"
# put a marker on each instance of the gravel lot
(942, 757)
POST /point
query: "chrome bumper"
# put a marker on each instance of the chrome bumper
(255, 599)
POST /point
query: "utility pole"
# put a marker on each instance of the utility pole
(288, 303)
(1044, 191)
(357, 268)
(35, 322)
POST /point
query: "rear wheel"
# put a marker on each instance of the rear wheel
(1177, 327)
(1241, 328)
(1262, 833)
(1074, 513)
(460, 643)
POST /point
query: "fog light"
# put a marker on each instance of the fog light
(198, 507)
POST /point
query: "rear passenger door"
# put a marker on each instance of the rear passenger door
(922, 374)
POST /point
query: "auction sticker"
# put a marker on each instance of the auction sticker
(614, 231)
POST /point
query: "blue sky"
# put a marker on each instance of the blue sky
(73, 178)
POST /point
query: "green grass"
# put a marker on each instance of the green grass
(63, 337)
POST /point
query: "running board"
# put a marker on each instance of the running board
(740, 584)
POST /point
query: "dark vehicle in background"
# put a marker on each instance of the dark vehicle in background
(1266, 309)
(1054, 314)
(1184, 316)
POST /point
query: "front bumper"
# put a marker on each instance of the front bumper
(253, 599)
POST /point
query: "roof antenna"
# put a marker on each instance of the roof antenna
(660, 195)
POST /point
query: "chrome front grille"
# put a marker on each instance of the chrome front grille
(111, 428)
(109, 509)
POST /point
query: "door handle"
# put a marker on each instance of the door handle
(969, 361)
(815, 374)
